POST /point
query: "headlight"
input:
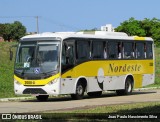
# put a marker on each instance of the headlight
(16, 82)
(53, 81)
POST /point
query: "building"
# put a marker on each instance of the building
(108, 28)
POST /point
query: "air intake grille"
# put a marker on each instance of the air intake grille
(34, 91)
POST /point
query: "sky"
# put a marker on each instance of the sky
(75, 15)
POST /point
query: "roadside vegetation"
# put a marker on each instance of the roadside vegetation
(124, 108)
(148, 111)
(157, 69)
(6, 71)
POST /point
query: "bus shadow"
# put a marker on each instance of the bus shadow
(113, 94)
(64, 98)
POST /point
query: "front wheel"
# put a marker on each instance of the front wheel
(42, 97)
(128, 88)
(79, 92)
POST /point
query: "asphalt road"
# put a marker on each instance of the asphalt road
(66, 103)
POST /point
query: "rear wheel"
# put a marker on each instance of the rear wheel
(42, 97)
(128, 88)
(79, 92)
(95, 94)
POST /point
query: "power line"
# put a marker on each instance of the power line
(37, 17)
(17, 16)
(60, 24)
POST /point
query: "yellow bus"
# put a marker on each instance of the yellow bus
(81, 62)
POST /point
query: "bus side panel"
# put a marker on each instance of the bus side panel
(68, 82)
(92, 85)
(108, 83)
(109, 74)
(143, 80)
(137, 80)
(148, 79)
(68, 85)
(114, 82)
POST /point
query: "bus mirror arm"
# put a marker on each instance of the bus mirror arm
(11, 55)
(11, 52)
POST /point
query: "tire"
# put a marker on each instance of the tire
(128, 88)
(79, 92)
(42, 97)
(95, 94)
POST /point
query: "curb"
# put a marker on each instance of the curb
(27, 98)
(142, 89)
(15, 99)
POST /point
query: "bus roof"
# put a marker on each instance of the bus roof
(92, 34)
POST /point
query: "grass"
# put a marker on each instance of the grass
(157, 78)
(6, 70)
(157, 69)
(102, 113)
(124, 108)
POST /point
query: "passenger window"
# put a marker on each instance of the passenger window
(67, 55)
(105, 50)
(83, 50)
(140, 51)
(149, 52)
(120, 48)
(70, 54)
(112, 50)
(128, 50)
(97, 50)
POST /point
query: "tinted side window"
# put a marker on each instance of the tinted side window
(140, 50)
(97, 50)
(112, 50)
(67, 55)
(149, 52)
(128, 50)
(83, 50)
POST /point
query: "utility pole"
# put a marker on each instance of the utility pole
(37, 24)
(37, 17)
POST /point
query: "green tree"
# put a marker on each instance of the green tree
(146, 27)
(7, 35)
(152, 29)
(131, 27)
(18, 30)
(2, 30)
(13, 31)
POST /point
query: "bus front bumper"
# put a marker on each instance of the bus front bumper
(48, 89)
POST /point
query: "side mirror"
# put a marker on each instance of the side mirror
(11, 52)
(11, 55)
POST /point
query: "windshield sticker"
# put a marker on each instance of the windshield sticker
(19, 65)
(26, 64)
(37, 70)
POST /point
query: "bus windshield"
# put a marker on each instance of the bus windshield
(37, 59)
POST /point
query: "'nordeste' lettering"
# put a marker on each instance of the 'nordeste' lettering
(124, 68)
